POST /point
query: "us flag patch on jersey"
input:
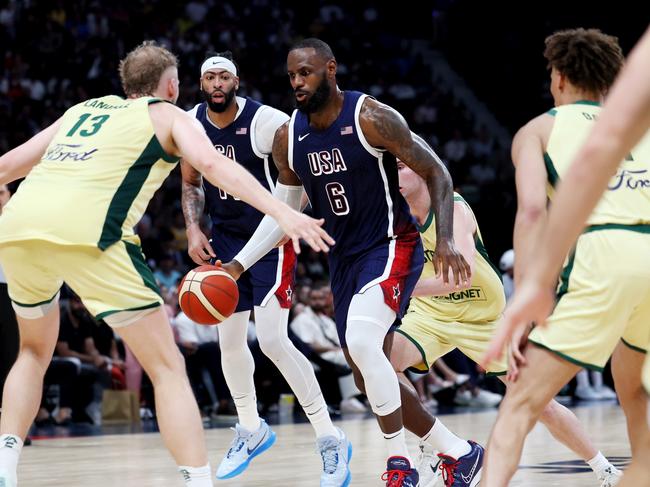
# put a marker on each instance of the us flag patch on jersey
(241, 131)
(346, 130)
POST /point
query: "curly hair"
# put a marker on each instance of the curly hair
(589, 58)
(142, 68)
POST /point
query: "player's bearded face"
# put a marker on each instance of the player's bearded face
(314, 102)
(218, 106)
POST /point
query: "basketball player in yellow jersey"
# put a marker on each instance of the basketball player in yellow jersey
(623, 121)
(90, 176)
(604, 289)
(442, 317)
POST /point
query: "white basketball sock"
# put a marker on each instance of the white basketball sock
(197, 476)
(271, 324)
(238, 367)
(444, 441)
(10, 448)
(396, 444)
(599, 463)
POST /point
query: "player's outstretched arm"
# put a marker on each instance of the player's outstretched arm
(193, 202)
(464, 229)
(17, 163)
(384, 127)
(194, 146)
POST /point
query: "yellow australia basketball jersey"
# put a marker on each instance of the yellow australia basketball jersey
(627, 199)
(94, 181)
(483, 302)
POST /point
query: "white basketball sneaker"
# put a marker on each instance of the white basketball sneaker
(610, 476)
(244, 447)
(7, 480)
(428, 466)
(336, 454)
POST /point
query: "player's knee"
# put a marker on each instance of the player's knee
(272, 345)
(361, 349)
(167, 366)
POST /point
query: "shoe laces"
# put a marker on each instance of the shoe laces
(395, 478)
(330, 455)
(237, 443)
(448, 467)
(427, 454)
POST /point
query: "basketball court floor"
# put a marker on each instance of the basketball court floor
(140, 460)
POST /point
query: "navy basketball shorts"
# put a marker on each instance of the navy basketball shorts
(395, 266)
(272, 275)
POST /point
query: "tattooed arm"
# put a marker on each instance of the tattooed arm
(385, 128)
(193, 201)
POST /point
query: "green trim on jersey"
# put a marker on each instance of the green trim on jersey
(552, 112)
(140, 264)
(127, 192)
(551, 172)
(483, 251)
(426, 224)
(587, 102)
(640, 228)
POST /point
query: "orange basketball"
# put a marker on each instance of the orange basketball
(208, 295)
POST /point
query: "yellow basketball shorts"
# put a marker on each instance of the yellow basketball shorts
(434, 339)
(113, 284)
(603, 297)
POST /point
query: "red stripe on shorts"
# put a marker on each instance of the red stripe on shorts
(284, 292)
(400, 270)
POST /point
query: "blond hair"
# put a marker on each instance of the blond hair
(142, 68)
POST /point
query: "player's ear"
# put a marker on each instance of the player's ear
(331, 67)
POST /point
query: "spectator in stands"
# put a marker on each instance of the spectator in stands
(167, 275)
(76, 345)
(507, 266)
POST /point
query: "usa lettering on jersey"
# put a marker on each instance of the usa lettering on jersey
(229, 152)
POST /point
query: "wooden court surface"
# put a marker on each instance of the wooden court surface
(140, 460)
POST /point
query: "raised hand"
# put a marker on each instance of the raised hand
(300, 226)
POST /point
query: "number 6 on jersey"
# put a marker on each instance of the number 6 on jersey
(336, 196)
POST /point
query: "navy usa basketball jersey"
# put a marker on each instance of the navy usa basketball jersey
(350, 184)
(237, 141)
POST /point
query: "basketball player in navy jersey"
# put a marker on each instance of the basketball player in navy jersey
(243, 129)
(341, 148)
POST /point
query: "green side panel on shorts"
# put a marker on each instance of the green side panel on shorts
(137, 259)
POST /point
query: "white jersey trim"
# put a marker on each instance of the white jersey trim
(292, 121)
(362, 138)
(278, 277)
(379, 154)
(387, 269)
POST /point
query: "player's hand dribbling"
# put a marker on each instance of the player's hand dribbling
(300, 226)
(448, 257)
(234, 268)
(198, 246)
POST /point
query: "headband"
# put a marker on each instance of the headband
(218, 62)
